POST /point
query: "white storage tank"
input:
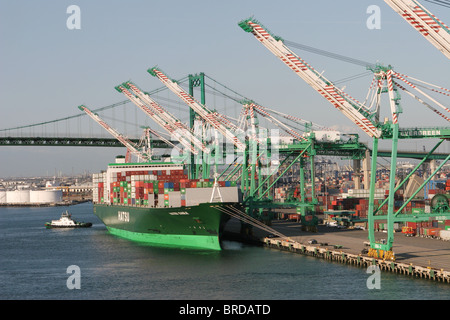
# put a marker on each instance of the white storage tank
(2, 197)
(18, 197)
(45, 196)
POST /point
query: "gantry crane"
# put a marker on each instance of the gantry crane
(167, 121)
(169, 127)
(298, 148)
(149, 131)
(250, 147)
(218, 122)
(131, 147)
(352, 108)
(364, 117)
(433, 29)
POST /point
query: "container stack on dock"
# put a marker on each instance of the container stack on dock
(428, 229)
(280, 194)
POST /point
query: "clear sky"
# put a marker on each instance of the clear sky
(47, 70)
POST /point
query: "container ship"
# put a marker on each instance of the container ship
(156, 203)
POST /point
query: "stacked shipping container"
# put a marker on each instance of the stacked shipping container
(99, 193)
(429, 229)
(149, 188)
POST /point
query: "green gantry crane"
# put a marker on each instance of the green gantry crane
(367, 119)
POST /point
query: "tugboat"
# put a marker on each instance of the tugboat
(66, 221)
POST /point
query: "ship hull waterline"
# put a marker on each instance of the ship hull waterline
(190, 227)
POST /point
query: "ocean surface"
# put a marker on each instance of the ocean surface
(90, 264)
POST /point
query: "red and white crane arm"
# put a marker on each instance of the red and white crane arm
(154, 132)
(125, 141)
(167, 116)
(262, 111)
(350, 107)
(433, 29)
(157, 118)
(207, 115)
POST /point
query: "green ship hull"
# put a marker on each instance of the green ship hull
(197, 227)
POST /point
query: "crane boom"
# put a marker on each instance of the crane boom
(131, 147)
(433, 29)
(168, 117)
(262, 111)
(207, 115)
(350, 107)
(154, 132)
(157, 118)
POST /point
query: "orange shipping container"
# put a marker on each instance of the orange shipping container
(433, 231)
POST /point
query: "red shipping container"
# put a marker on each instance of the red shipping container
(411, 224)
(433, 231)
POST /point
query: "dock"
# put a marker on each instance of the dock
(415, 256)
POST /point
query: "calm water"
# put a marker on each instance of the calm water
(34, 262)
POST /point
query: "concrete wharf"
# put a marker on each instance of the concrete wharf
(415, 256)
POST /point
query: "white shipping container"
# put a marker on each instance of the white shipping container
(160, 201)
(445, 234)
(195, 196)
(151, 200)
(174, 199)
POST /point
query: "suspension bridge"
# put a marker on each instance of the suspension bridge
(77, 130)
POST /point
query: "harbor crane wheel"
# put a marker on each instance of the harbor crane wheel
(440, 203)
